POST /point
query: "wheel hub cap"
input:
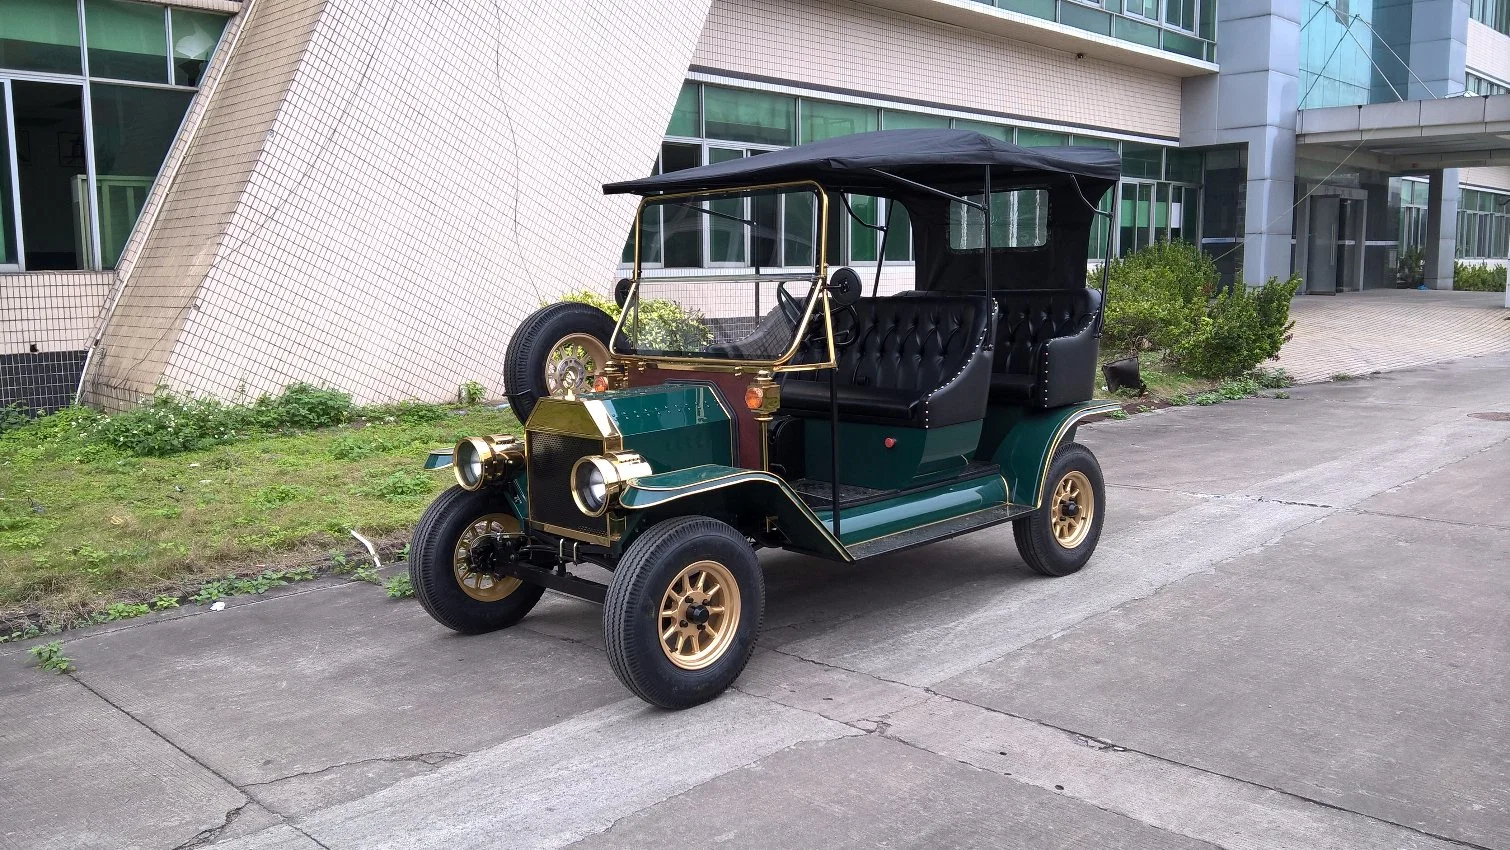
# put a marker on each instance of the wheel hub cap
(472, 562)
(699, 615)
(1074, 508)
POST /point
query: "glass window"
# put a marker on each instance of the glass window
(1019, 219)
(749, 116)
(8, 256)
(1180, 13)
(864, 241)
(823, 120)
(898, 233)
(1094, 142)
(799, 232)
(995, 131)
(894, 120)
(127, 41)
(1041, 138)
(1184, 166)
(40, 35)
(1142, 160)
(133, 129)
(195, 35)
(726, 238)
(52, 174)
(1143, 8)
(681, 227)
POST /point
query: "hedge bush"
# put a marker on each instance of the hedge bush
(664, 325)
(1165, 297)
(1156, 296)
(1478, 278)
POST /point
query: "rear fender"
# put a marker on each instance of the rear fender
(750, 500)
(1028, 448)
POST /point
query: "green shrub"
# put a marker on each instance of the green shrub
(169, 424)
(407, 412)
(302, 406)
(1412, 269)
(663, 325)
(1156, 296)
(12, 417)
(1241, 328)
(1475, 278)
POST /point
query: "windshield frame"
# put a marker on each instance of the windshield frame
(818, 293)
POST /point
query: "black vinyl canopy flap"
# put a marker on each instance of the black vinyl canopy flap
(949, 160)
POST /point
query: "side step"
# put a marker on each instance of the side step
(937, 531)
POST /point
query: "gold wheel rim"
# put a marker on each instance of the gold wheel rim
(484, 587)
(699, 615)
(1074, 509)
(574, 361)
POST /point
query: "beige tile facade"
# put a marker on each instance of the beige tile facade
(379, 191)
(864, 49)
(1488, 51)
(45, 312)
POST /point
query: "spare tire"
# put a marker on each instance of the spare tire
(557, 347)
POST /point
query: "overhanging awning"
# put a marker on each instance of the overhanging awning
(1412, 136)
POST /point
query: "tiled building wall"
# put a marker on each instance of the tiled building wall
(181, 233)
(865, 49)
(417, 192)
(1488, 51)
(46, 322)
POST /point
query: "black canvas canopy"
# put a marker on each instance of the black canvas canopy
(951, 160)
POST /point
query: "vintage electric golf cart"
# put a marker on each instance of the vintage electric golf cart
(764, 399)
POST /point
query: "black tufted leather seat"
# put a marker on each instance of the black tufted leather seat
(1046, 346)
(916, 361)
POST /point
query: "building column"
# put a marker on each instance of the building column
(1438, 48)
(1441, 227)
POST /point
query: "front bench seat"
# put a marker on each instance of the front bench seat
(916, 361)
(1046, 346)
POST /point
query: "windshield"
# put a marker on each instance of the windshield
(726, 276)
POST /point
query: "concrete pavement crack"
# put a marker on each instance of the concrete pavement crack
(205, 836)
(433, 759)
(317, 842)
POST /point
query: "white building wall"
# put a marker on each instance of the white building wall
(433, 174)
(859, 48)
(1488, 51)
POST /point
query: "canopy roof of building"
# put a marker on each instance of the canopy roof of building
(1414, 135)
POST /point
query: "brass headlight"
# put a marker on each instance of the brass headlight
(596, 480)
(481, 459)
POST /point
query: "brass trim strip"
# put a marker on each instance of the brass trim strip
(1054, 446)
(572, 533)
(752, 475)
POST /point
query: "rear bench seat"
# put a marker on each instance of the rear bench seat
(1046, 346)
(907, 361)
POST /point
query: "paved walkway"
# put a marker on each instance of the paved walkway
(1380, 330)
(1293, 635)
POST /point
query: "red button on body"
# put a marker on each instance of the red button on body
(891, 442)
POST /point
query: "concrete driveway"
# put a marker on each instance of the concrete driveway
(1296, 633)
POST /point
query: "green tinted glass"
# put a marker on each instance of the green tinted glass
(894, 120)
(1041, 138)
(995, 131)
(7, 219)
(40, 35)
(749, 116)
(1184, 166)
(195, 35)
(685, 120)
(127, 41)
(133, 129)
(864, 241)
(822, 120)
(1142, 160)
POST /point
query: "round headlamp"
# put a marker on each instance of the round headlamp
(596, 480)
(471, 455)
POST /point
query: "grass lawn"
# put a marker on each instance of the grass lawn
(84, 524)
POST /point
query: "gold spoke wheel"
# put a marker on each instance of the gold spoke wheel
(699, 615)
(574, 361)
(1074, 509)
(482, 586)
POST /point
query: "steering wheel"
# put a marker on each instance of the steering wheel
(789, 305)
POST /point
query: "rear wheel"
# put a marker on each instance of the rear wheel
(683, 610)
(448, 563)
(1059, 537)
(559, 347)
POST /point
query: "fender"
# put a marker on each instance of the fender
(752, 501)
(1029, 445)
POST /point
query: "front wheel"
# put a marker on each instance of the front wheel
(1059, 537)
(449, 564)
(683, 610)
(558, 348)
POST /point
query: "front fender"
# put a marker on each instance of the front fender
(750, 500)
(1028, 448)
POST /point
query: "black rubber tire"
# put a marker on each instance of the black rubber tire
(1035, 533)
(431, 566)
(524, 361)
(631, 613)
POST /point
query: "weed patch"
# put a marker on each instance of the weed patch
(49, 656)
(399, 587)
